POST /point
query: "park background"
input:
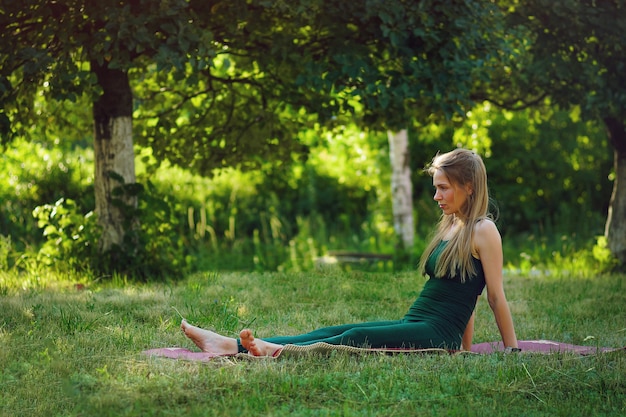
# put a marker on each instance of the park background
(153, 140)
(202, 156)
(339, 199)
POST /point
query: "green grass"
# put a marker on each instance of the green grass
(73, 351)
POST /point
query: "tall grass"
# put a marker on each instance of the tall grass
(71, 346)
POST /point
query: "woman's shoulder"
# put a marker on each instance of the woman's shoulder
(486, 233)
(485, 225)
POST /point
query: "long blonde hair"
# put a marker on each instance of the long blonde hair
(463, 168)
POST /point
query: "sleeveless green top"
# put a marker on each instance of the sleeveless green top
(447, 303)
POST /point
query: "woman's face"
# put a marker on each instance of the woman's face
(449, 196)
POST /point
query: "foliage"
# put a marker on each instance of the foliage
(217, 119)
(236, 83)
(6, 252)
(577, 61)
(85, 338)
(70, 236)
(571, 51)
(566, 193)
(231, 84)
(399, 62)
(38, 174)
(232, 73)
(151, 251)
(561, 256)
(50, 44)
(337, 200)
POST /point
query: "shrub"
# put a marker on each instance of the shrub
(36, 175)
(151, 250)
(70, 236)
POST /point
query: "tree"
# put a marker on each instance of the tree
(401, 186)
(64, 49)
(572, 52)
(105, 49)
(394, 65)
(223, 83)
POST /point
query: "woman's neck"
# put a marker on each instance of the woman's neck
(454, 228)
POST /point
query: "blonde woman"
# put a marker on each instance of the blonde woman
(463, 257)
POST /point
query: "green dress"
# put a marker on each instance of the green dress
(436, 319)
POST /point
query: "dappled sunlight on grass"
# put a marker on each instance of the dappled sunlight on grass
(78, 351)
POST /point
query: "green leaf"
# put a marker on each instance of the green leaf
(50, 230)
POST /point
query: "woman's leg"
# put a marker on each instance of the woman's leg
(417, 335)
(325, 333)
(209, 341)
(391, 334)
(320, 335)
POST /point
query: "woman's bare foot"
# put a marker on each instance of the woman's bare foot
(209, 341)
(258, 347)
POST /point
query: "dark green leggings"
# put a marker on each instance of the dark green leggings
(378, 334)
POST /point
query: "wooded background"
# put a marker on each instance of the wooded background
(157, 137)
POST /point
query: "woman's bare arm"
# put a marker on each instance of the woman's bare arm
(488, 244)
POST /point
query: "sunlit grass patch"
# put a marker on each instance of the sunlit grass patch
(76, 350)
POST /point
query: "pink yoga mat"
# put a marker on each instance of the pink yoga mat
(527, 346)
(541, 346)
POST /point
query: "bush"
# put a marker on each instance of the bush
(70, 235)
(151, 249)
(36, 175)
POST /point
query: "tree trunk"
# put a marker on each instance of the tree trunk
(615, 230)
(114, 154)
(401, 187)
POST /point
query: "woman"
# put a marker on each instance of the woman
(464, 256)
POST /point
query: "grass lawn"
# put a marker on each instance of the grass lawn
(71, 347)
